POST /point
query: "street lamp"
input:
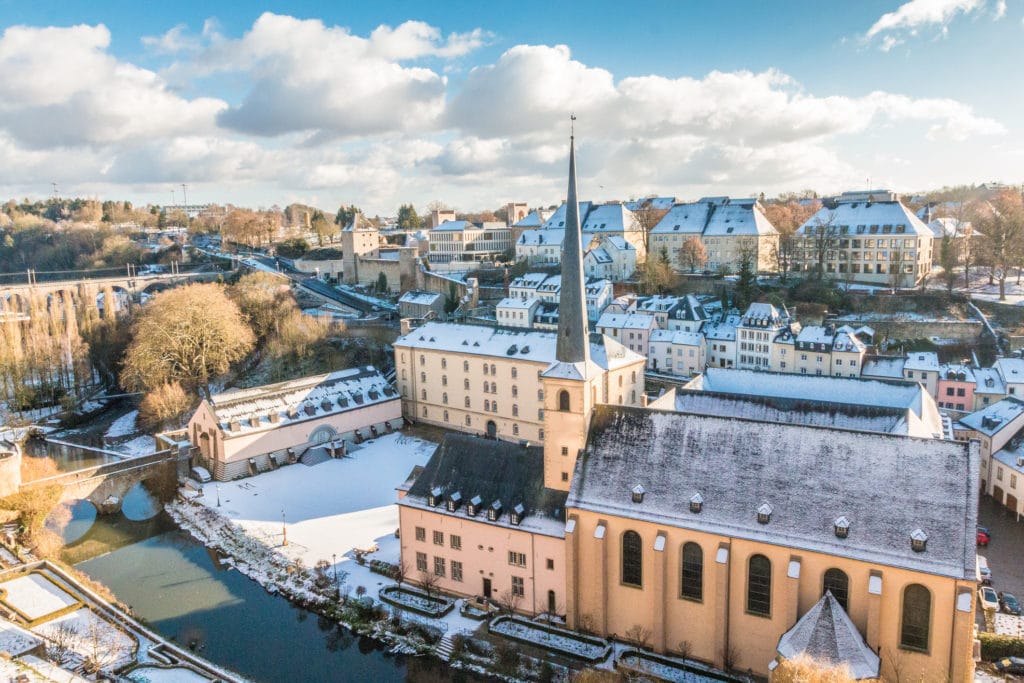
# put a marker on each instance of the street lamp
(284, 530)
(334, 559)
(218, 494)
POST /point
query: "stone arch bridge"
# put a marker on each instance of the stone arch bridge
(105, 485)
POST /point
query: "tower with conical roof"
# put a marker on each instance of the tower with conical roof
(570, 382)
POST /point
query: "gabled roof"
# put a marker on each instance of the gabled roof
(859, 217)
(495, 471)
(630, 321)
(925, 361)
(610, 218)
(948, 226)
(810, 476)
(541, 238)
(993, 419)
(716, 216)
(1010, 369)
(888, 367)
(827, 635)
(557, 220)
(534, 219)
(988, 381)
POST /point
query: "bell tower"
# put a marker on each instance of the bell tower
(570, 383)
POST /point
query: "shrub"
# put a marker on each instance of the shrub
(168, 403)
(995, 646)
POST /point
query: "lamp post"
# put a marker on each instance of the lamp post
(334, 560)
(284, 530)
(218, 494)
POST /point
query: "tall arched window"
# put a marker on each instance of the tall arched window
(494, 387)
(465, 384)
(444, 398)
(465, 366)
(563, 400)
(444, 380)
(633, 380)
(515, 391)
(467, 401)
(423, 359)
(759, 585)
(487, 404)
(423, 377)
(423, 394)
(917, 615)
(838, 582)
(515, 410)
(632, 559)
(515, 373)
(515, 429)
(494, 369)
(692, 578)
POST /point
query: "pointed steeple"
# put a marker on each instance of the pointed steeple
(573, 335)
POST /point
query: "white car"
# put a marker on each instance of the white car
(988, 597)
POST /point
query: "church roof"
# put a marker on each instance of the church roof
(826, 634)
(494, 471)
(886, 485)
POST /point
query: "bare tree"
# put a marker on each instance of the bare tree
(822, 239)
(400, 572)
(60, 646)
(647, 217)
(692, 254)
(639, 635)
(1001, 224)
(429, 581)
(508, 601)
(895, 269)
(585, 624)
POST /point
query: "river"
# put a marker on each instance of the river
(181, 590)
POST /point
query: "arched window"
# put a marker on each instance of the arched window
(485, 368)
(632, 559)
(494, 369)
(444, 398)
(494, 406)
(469, 420)
(515, 373)
(424, 411)
(494, 387)
(632, 396)
(917, 614)
(423, 394)
(446, 416)
(444, 380)
(403, 373)
(838, 582)
(467, 402)
(515, 410)
(692, 578)
(620, 380)
(759, 585)
(540, 394)
(465, 366)
(423, 359)
(444, 363)
(465, 384)
(633, 380)
(515, 428)
(515, 391)
(487, 404)
(563, 400)
(423, 377)
(487, 387)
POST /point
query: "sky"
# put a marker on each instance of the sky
(468, 103)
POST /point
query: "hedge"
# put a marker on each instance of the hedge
(995, 646)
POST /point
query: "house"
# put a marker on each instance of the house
(247, 431)
(996, 427)
(1011, 371)
(955, 387)
(887, 368)
(610, 257)
(730, 230)
(960, 234)
(598, 294)
(525, 286)
(687, 315)
(721, 339)
(758, 327)
(540, 246)
(868, 237)
(615, 220)
(515, 312)
(676, 352)
(423, 305)
(923, 367)
(828, 350)
(632, 330)
(988, 387)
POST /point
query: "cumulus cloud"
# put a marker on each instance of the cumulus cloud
(914, 15)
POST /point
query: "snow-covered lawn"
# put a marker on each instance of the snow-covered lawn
(123, 426)
(92, 636)
(1009, 625)
(666, 670)
(153, 674)
(403, 597)
(329, 509)
(564, 642)
(137, 447)
(35, 596)
(14, 640)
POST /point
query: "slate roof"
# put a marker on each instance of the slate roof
(860, 216)
(826, 634)
(1010, 369)
(538, 238)
(494, 471)
(557, 220)
(993, 419)
(716, 216)
(889, 367)
(926, 361)
(887, 486)
(988, 381)
(609, 218)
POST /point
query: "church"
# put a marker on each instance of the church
(733, 541)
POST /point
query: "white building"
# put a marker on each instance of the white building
(462, 241)
(632, 330)
(1011, 370)
(720, 335)
(611, 258)
(540, 246)
(515, 312)
(923, 367)
(754, 336)
(677, 353)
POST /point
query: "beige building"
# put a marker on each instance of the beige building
(729, 229)
(758, 328)
(244, 432)
(995, 427)
(676, 352)
(465, 242)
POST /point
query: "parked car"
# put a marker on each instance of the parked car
(985, 530)
(1008, 603)
(984, 573)
(1010, 665)
(982, 539)
(988, 597)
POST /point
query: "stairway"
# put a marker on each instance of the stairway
(315, 456)
(444, 648)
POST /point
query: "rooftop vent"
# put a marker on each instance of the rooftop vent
(494, 512)
(325, 405)
(309, 409)
(234, 425)
(842, 527)
(274, 417)
(638, 493)
(254, 421)
(525, 349)
(918, 540)
(764, 513)
(696, 503)
(435, 496)
(293, 412)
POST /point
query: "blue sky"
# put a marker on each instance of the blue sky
(467, 102)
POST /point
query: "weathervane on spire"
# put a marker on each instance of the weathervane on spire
(572, 125)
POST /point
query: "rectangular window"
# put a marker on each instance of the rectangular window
(517, 559)
(438, 538)
(960, 392)
(456, 570)
(421, 562)
(551, 563)
(439, 566)
(421, 534)
(1013, 481)
(456, 543)
(999, 473)
(518, 587)
(949, 391)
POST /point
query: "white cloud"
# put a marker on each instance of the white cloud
(911, 16)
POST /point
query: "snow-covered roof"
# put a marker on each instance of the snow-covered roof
(678, 337)
(273, 405)
(610, 218)
(1010, 369)
(599, 255)
(514, 302)
(847, 340)
(816, 334)
(1012, 457)
(956, 372)
(421, 298)
(925, 361)
(618, 242)
(453, 226)
(538, 238)
(534, 219)
(826, 634)
(628, 321)
(722, 330)
(988, 381)
(528, 345)
(758, 313)
(883, 367)
(878, 218)
(683, 219)
(716, 216)
(993, 419)
(557, 220)
(835, 414)
(809, 475)
(528, 280)
(949, 227)
(657, 203)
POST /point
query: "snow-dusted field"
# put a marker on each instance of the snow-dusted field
(123, 426)
(329, 509)
(90, 635)
(35, 597)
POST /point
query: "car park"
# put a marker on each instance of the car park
(1008, 604)
(988, 598)
(1010, 665)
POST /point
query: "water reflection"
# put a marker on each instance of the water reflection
(139, 503)
(64, 456)
(71, 520)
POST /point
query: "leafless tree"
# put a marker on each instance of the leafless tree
(822, 238)
(60, 646)
(1001, 224)
(508, 601)
(586, 624)
(692, 254)
(639, 635)
(429, 582)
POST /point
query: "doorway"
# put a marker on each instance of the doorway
(551, 602)
(492, 430)
(487, 588)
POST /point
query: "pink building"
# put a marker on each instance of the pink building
(956, 388)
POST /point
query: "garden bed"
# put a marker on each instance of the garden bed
(414, 601)
(474, 610)
(667, 669)
(562, 641)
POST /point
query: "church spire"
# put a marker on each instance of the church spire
(573, 335)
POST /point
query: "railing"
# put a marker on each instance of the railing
(104, 470)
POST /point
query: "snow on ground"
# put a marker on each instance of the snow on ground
(15, 640)
(153, 674)
(35, 596)
(137, 447)
(123, 426)
(329, 509)
(91, 635)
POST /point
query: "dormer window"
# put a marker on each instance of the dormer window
(494, 512)
(517, 514)
(638, 493)
(696, 503)
(841, 527)
(918, 540)
(453, 501)
(435, 496)
(764, 513)
(473, 506)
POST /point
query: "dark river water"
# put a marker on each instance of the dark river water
(181, 590)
